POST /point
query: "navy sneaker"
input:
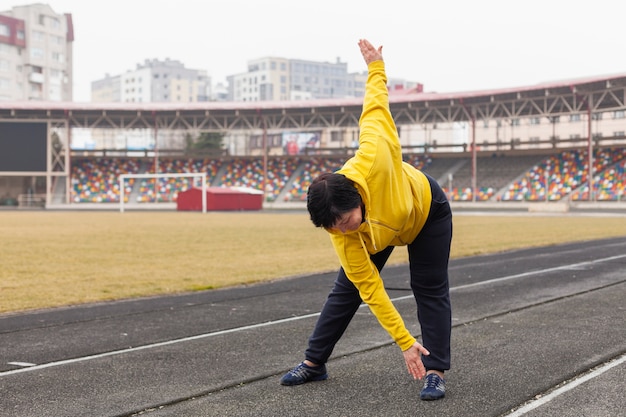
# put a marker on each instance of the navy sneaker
(434, 388)
(304, 373)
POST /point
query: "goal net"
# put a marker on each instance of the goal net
(156, 188)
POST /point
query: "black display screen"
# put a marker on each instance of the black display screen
(23, 147)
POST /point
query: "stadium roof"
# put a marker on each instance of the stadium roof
(595, 94)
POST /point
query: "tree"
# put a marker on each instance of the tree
(205, 143)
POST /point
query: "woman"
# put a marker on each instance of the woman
(372, 204)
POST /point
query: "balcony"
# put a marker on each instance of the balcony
(36, 77)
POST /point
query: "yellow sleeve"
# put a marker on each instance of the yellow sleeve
(376, 121)
(364, 275)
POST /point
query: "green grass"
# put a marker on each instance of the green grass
(52, 259)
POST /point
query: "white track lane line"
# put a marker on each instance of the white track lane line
(280, 321)
(567, 387)
(155, 345)
(527, 274)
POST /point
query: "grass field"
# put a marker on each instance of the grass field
(51, 259)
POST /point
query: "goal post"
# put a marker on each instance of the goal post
(201, 175)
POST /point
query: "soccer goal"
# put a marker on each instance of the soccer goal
(202, 176)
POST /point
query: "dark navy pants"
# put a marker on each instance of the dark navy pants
(428, 259)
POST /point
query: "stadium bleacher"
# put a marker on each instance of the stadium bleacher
(311, 169)
(499, 177)
(97, 180)
(248, 172)
(562, 175)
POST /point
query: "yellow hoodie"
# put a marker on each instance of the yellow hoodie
(397, 200)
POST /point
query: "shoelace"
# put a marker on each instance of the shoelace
(300, 371)
(433, 382)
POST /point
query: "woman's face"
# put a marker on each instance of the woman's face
(349, 221)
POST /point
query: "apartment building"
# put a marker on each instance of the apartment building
(151, 81)
(282, 79)
(36, 54)
(154, 81)
(267, 79)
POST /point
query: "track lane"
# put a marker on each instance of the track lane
(199, 368)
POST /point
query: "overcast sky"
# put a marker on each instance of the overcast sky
(449, 46)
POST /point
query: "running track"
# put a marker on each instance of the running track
(537, 332)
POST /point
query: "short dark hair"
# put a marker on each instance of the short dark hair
(330, 195)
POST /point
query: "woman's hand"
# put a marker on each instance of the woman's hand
(370, 54)
(413, 359)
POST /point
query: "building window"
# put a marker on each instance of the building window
(4, 30)
(36, 53)
(535, 121)
(57, 57)
(574, 118)
(619, 133)
(619, 114)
